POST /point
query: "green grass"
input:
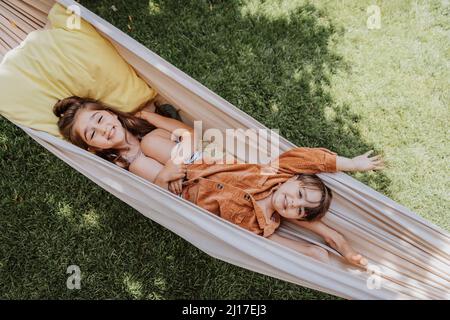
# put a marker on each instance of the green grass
(314, 71)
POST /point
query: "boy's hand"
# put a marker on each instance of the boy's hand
(339, 243)
(364, 163)
(356, 259)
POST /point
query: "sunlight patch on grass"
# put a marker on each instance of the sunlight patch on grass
(329, 114)
(160, 283)
(3, 139)
(133, 287)
(65, 211)
(274, 107)
(153, 7)
(154, 296)
(91, 219)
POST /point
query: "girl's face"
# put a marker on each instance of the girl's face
(99, 128)
(291, 199)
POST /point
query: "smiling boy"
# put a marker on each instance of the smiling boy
(241, 194)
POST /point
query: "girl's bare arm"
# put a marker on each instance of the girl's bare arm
(173, 126)
(158, 145)
(155, 172)
(148, 169)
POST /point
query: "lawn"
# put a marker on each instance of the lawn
(313, 70)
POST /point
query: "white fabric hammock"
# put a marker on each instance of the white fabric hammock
(411, 256)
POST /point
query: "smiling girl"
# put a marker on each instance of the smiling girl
(142, 146)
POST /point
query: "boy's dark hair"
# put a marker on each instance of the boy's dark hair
(311, 181)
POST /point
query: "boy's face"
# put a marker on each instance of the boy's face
(290, 199)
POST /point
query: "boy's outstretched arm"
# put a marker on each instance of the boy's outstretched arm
(334, 240)
(313, 251)
(360, 163)
(317, 160)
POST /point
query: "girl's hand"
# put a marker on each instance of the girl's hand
(176, 186)
(144, 112)
(173, 171)
(364, 163)
(150, 106)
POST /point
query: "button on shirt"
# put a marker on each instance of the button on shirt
(231, 190)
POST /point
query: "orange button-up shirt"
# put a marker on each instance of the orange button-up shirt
(231, 190)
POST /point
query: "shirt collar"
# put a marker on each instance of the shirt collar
(267, 226)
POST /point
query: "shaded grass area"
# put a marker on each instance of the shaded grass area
(291, 65)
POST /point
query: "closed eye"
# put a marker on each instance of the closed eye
(300, 208)
(93, 132)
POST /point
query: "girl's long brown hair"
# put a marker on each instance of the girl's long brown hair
(66, 110)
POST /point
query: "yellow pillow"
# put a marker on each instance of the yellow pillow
(60, 62)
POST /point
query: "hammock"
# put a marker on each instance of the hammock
(410, 256)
